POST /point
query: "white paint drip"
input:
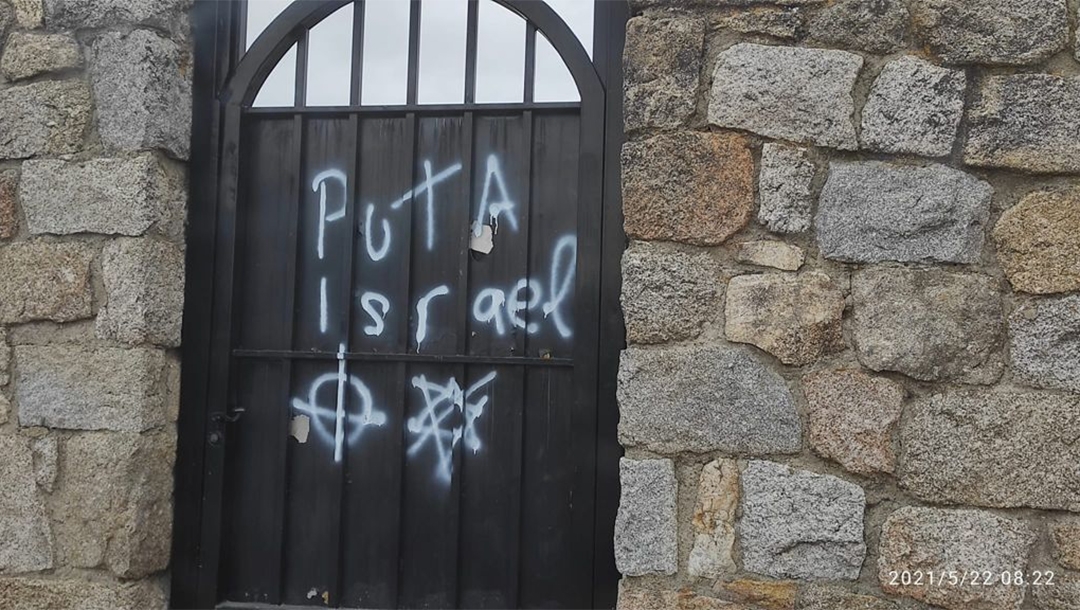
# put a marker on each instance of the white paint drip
(495, 299)
(514, 305)
(441, 401)
(422, 312)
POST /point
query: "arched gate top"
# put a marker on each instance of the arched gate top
(300, 16)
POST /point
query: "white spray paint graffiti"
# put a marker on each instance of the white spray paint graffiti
(450, 413)
(422, 312)
(565, 248)
(489, 302)
(431, 426)
(376, 254)
(319, 186)
(427, 188)
(321, 416)
(494, 208)
(377, 318)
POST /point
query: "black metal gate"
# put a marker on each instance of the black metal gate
(398, 398)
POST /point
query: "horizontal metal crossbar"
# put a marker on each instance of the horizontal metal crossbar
(390, 357)
(419, 109)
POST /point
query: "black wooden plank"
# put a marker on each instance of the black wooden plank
(324, 234)
(553, 234)
(269, 180)
(550, 577)
(499, 278)
(315, 485)
(440, 226)
(556, 552)
(491, 487)
(429, 527)
(370, 509)
(381, 295)
(251, 510)
(314, 499)
(270, 195)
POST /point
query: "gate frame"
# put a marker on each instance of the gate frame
(219, 34)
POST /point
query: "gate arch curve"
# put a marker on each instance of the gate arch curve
(302, 15)
(425, 280)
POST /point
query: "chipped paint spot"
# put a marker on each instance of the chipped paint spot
(299, 428)
(480, 239)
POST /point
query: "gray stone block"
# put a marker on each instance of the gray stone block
(30, 54)
(914, 107)
(785, 188)
(797, 94)
(45, 281)
(931, 325)
(917, 539)
(9, 207)
(662, 70)
(668, 293)
(703, 398)
(1064, 594)
(1046, 343)
(1026, 122)
(994, 449)
(875, 26)
(143, 92)
(43, 118)
(104, 388)
(645, 528)
(802, 525)
(101, 13)
(121, 196)
(778, 21)
(1004, 32)
(872, 211)
(24, 526)
(144, 285)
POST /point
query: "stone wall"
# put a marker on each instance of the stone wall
(852, 298)
(95, 105)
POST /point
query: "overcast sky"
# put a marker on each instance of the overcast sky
(500, 50)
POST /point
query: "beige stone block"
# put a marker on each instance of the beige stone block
(112, 506)
(45, 281)
(1038, 242)
(852, 417)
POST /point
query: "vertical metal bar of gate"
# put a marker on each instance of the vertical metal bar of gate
(468, 160)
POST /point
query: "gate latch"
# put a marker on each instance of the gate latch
(228, 417)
